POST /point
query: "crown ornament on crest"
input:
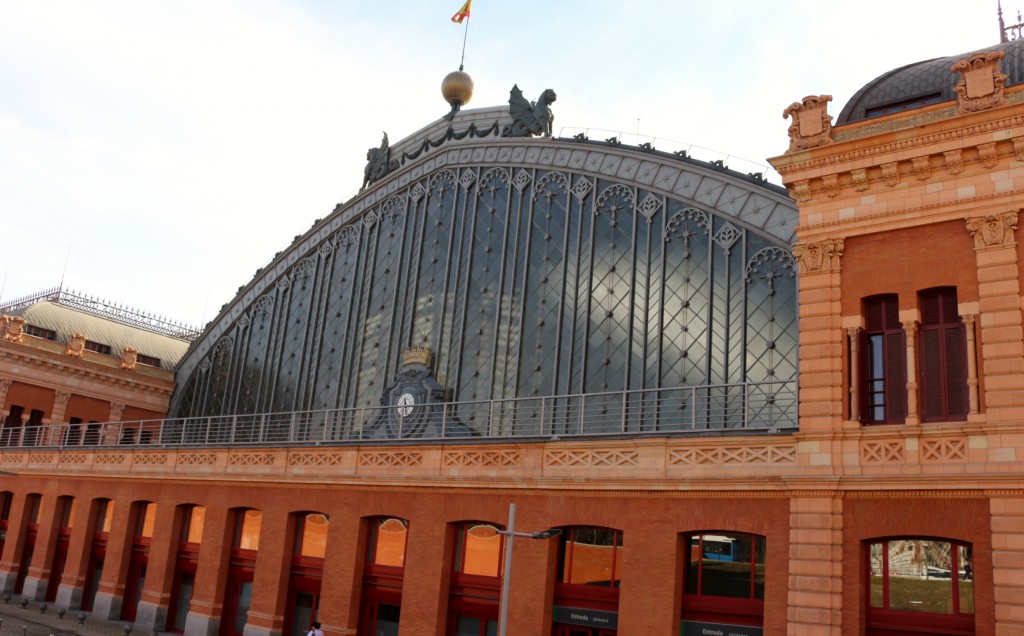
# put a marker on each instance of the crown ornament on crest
(417, 355)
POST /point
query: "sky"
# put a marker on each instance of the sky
(156, 153)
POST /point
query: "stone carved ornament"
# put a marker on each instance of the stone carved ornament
(818, 256)
(529, 118)
(994, 229)
(12, 328)
(76, 345)
(981, 84)
(812, 125)
(129, 357)
(378, 163)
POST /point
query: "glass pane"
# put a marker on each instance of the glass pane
(249, 538)
(244, 599)
(195, 525)
(966, 579)
(492, 628)
(482, 550)
(302, 613)
(593, 554)
(467, 626)
(184, 600)
(920, 576)
(108, 516)
(725, 565)
(389, 547)
(876, 590)
(148, 521)
(314, 535)
(760, 545)
(693, 571)
(387, 620)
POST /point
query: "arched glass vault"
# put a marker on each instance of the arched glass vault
(614, 300)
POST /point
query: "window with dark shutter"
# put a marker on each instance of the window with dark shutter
(943, 362)
(884, 368)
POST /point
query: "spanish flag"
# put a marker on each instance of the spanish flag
(463, 12)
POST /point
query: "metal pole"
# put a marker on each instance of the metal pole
(506, 578)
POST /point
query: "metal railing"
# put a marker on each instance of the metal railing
(754, 407)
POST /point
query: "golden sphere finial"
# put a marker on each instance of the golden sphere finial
(457, 89)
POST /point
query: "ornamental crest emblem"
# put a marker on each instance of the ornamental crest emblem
(812, 125)
(981, 83)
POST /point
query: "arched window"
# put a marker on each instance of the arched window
(383, 575)
(241, 571)
(587, 588)
(918, 585)
(192, 520)
(307, 570)
(725, 578)
(475, 587)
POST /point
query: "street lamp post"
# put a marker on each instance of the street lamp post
(506, 580)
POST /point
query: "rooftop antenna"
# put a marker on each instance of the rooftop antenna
(67, 258)
(1002, 25)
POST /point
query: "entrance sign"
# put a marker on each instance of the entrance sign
(586, 617)
(702, 628)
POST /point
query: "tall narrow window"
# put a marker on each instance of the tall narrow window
(383, 574)
(884, 386)
(475, 583)
(587, 588)
(943, 360)
(241, 572)
(65, 519)
(145, 519)
(104, 516)
(192, 521)
(307, 571)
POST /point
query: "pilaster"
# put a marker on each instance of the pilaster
(1002, 339)
(427, 575)
(156, 593)
(211, 576)
(110, 591)
(17, 527)
(270, 583)
(344, 561)
(42, 556)
(815, 566)
(72, 582)
(1008, 564)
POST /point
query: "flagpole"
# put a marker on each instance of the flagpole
(465, 34)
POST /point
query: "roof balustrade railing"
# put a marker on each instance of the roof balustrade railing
(755, 407)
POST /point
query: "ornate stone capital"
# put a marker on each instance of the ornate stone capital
(910, 327)
(801, 191)
(831, 182)
(116, 411)
(987, 153)
(60, 399)
(954, 161)
(981, 84)
(992, 230)
(922, 168)
(891, 173)
(854, 334)
(1018, 149)
(812, 125)
(860, 179)
(968, 321)
(818, 256)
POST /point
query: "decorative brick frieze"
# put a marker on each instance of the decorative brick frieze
(944, 450)
(316, 459)
(482, 459)
(391, 459)
(745, 455)
(250, 459)
(883, 452)
(591, 459)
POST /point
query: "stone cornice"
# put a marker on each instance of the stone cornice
(847, 152)
(25, 358)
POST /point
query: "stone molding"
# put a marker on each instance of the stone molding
(963, 135)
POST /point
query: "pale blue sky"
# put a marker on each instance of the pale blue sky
(174, 147)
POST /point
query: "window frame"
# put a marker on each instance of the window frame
(938, 404)
(955, 623)
(882, 326)
(709, 607)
